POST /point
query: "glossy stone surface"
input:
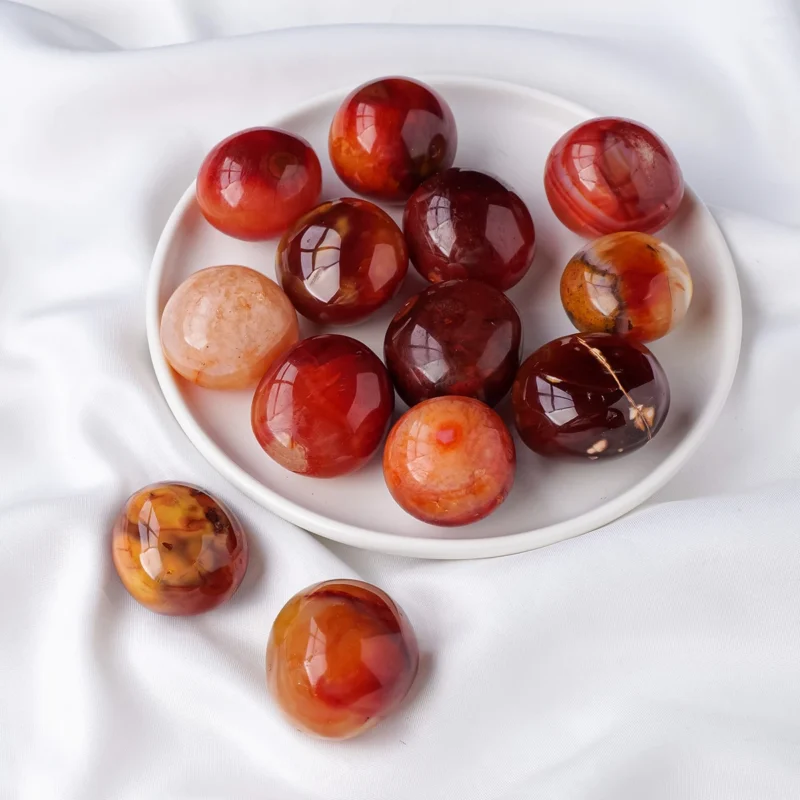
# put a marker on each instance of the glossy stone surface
(178, 550)
(255, 183)
(610, 174)
(627, 283)
(342, 261)
(223, 326)
(454, 338)
(389, 135)
(324, 407)
(449, 461)
(590, 395)
(466, 224)
(341, 656)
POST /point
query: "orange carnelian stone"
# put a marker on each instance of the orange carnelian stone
(342, 261)
(449, 461)
(324, 407)
(389, 135)
(341, 657)
(255, 183)
(177, 550)
(627, 283)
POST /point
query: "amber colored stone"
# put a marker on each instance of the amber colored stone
(223, 326)
(449, 461)
(458, 337)
(178, 550)
(627, 283)
(255, 183)
(342, 261)
(389, 135)
(590, 395)
(466, 224)
(323, 408)
(341, 657)
(610, 174)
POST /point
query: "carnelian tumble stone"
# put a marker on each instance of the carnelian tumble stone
(223, 326)
(342, 261)
(454, 338)
(178, 550)
(590, 395)
(341, 657)
(449, 461)
(627, 283)
(323, 408)
(611, 174)
(465, 224)
(255, 183)
(389, 135)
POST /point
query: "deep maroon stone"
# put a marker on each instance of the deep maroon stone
(454, 338)
(592, 395)
(465, 224)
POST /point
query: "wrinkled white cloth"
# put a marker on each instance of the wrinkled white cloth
(656, 658)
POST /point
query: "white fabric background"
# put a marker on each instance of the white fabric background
(656, 659)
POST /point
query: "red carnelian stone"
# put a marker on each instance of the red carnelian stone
(610, 174)
(341, 657)
(590, 395)
(458, 337)
(255, 183)
(323, 408)
(449, 461)
(389, 135)
(466, 224)
(342, 261)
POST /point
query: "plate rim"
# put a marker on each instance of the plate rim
(417, 546)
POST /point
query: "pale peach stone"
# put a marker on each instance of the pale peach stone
(223, 326)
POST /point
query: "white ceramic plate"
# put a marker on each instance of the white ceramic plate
(506, 130)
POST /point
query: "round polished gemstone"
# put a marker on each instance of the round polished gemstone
(449, 461)
(178, 550)
(324, 407)
(342, 261)
(466, 224)
(341, 657)
(389, 135)
(610, 174)
(223, 326)
(255, 183)
(627, 283)
(590, 395)
(454, 338)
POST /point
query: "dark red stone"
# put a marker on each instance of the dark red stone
(454, 338)
(324, 407)
(389, 135)
(466, 224)
(591, 395)
(342, 261)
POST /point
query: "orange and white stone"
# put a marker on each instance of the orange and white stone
(449, 461)
(627, 283)
(224, 326)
